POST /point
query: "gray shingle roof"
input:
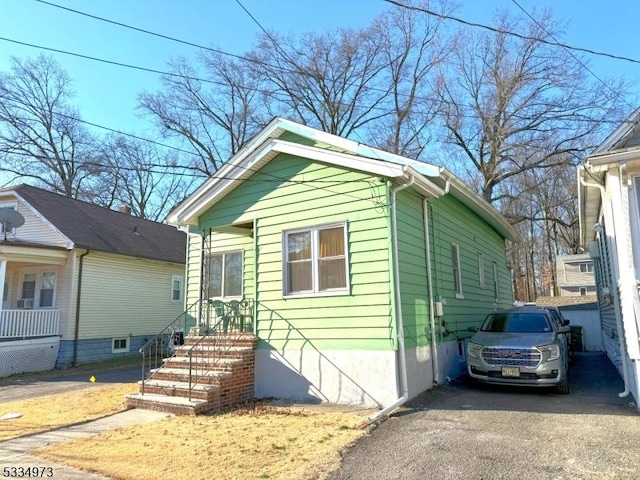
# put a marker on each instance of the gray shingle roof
(99, 228)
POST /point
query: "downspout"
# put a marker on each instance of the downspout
(398, 303)
(435, 367)
(623, 348)
(76, 332)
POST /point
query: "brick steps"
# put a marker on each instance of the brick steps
(222, 374)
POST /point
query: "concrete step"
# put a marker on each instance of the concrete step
(171, 388)
(175, 405)
(181, 375)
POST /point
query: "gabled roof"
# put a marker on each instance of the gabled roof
(429, 180)
(98, 228)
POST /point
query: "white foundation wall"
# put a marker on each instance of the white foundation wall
(366, 378)
(452, 360)
(419, 370)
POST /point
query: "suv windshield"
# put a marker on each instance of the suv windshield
(528, 322)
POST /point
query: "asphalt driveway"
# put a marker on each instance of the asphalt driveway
(467, 431)
(29, 385)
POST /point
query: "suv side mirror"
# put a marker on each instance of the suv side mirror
(473, 329)
(565, 322)
(564, 329)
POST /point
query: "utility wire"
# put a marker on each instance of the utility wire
(580, 62)
(513, 34)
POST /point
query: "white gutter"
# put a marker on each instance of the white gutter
(398, 303)
(623, 348)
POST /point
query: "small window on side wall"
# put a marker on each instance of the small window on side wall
(120, 345)
(457, 274)
(176, 288)
(583, 291)
(495, 280)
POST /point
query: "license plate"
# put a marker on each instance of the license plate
(510, 372)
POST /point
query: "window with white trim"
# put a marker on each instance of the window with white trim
(38, 289)
(457, 274)
(120, 345)
(586, 267)
(583, 291)
(315, 260)
(176, 288)
(495, 280)
(225, 275)
(481, 271)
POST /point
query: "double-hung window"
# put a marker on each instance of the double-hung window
(225, 275)
(315, 260)
(457, 274)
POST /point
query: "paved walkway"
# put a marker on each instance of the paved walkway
(16, 452)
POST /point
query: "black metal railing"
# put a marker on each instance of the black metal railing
(212, 318)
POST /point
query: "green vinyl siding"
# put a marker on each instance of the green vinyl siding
(292, 193)
(452, 222)
(413, 268)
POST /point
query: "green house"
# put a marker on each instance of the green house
(364, 269)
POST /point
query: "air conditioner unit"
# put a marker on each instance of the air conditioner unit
(25, 303)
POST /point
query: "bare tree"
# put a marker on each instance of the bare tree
(142, 178)
(41, 136)
(330, 81)
(412, 45)
(214, 114)
(510, 104)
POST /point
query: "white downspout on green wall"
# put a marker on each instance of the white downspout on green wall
(404, 387)
(435, 367)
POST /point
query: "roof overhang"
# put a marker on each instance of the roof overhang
(428, 180)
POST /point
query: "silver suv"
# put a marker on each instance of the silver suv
(522, 346)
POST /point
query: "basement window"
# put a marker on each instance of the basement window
(120, 345)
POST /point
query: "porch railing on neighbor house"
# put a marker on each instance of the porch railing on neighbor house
(212, 318)
(29, 323)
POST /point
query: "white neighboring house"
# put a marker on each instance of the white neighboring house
(82, 283)
(575, 276)
(609, 202)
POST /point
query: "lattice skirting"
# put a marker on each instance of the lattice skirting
(36, 355)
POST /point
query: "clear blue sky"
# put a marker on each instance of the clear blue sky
(107, 94)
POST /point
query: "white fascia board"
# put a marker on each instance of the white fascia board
(68, 243)
(600, 163)
(224, 180)
(353, 162)
(479, 205)
(619, 133)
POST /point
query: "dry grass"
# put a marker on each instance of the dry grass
(258, 442)
(53, 411)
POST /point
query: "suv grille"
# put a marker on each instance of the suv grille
(511, 357)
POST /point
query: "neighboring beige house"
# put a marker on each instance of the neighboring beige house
(82, 283)
(575, 276)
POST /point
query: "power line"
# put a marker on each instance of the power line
(580, 62)
(513, 34)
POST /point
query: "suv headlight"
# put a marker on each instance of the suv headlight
(549, 352)
(473, 349)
